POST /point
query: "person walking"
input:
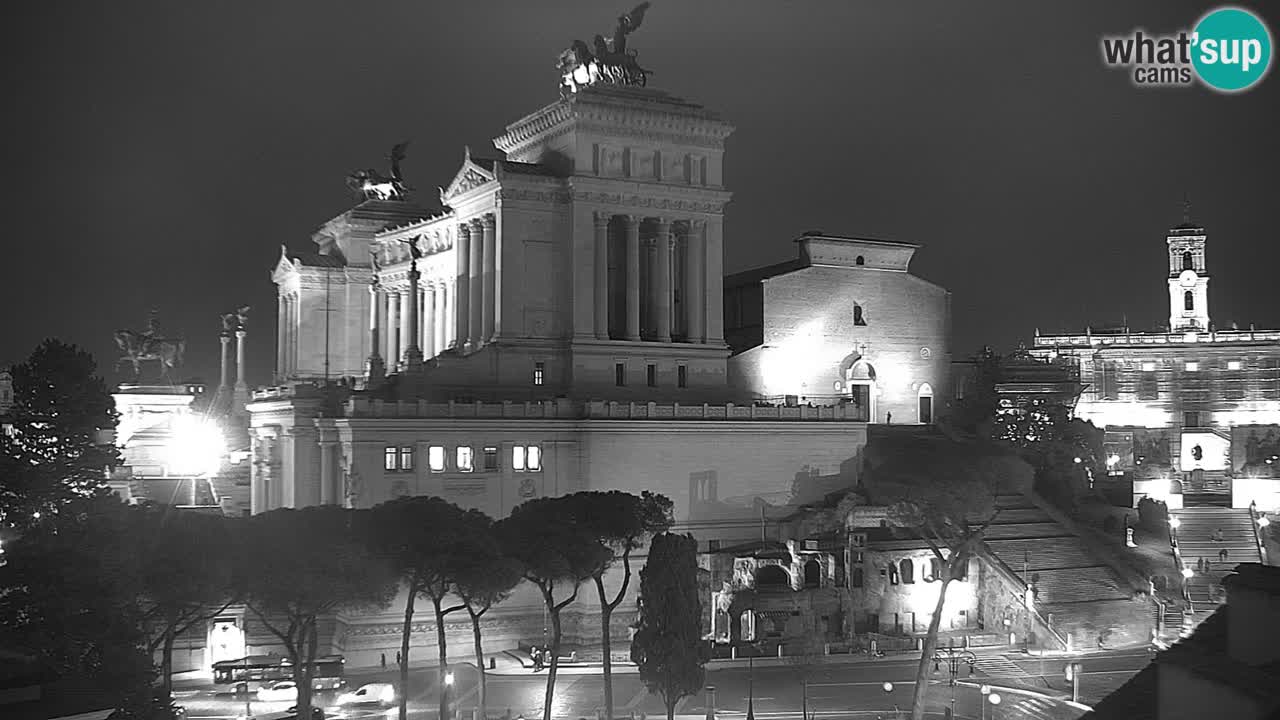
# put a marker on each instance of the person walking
(384, 661)
(398, 658)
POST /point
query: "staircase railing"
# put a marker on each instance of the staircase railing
(1254, 516)
(1008, 573)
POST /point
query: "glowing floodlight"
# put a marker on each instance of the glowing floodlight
(1175, 523)
(196, 447)
(1263, 521)
(994, 698)
(1188, 573)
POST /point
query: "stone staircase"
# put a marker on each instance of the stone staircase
(1206, 488)
(1080, 595)
(1196, 541)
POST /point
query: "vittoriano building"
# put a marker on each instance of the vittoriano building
(561, 321)
(1192, 411)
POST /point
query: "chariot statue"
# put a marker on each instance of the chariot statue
(373, 185)
(150, 345)
(606, 60)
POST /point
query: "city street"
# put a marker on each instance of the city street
(834, 690)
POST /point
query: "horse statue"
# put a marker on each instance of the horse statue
(136, 348)
(608, 61)
(373, 185)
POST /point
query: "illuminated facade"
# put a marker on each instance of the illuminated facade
(845, 324)
(558, 326)
(1192, 412)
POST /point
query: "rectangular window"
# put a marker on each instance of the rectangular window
(533, 458)
(651, 375)
(620, 374)
(490, 459)
(406, 458)
(1148, 367)
(435, 458)
(517, 458)
(390, 456)
(464, 459)
(682, 376)
(1191, 419)
(526, 458)
(1233, 364)
(539, 370)
(1148, 387)
(1192, 366)
(1107, 380)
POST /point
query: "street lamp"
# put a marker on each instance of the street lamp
(954, 659)
(888, 689)
(448, 686)
(994, 699)
(1175, 523)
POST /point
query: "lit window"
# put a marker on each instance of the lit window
(1233, 364)
(1148, 367)
(389, 458)
(464, 459)
(526, 458)
(908, 570)
(435, 458)
(490, 459)
(1192, 366)
(539, 370)
(517, 458)
(682, 376)
(406, 458)
(534, 458)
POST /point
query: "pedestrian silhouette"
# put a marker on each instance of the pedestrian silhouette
(384, 661)
(1222, 555)
(398, 660)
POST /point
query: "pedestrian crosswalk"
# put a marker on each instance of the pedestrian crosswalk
(999, 666)
(1033, 708)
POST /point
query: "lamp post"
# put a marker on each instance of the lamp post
(954, 659)
(986, 692)
(888, 689)
(994, 699)
(448, 686)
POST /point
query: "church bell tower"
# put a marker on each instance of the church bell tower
(1188, 278)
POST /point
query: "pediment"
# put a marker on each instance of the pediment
(284, 266)
(469, 177)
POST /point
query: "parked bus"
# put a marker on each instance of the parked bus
(327, 671)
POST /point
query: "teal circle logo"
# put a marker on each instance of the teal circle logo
(1231, 49)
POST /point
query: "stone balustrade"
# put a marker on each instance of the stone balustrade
(1176, 338)
(565, 409)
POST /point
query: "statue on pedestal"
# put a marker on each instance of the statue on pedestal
(150, 345)
(610, 63)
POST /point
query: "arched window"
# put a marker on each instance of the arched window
(857, 316)
(961, 571)
(812, 574)
(935, 570)
(1188, 261)
(908, 570)
(924, 402)
(860, 261)
(1188, 301)
(772, 576)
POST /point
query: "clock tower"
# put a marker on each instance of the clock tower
(1188, 279)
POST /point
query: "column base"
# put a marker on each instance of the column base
(375, 371)
(412, 360)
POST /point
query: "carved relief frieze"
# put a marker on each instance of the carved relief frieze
(643, 201)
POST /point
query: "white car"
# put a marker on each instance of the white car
(281, 691)
(382, 694)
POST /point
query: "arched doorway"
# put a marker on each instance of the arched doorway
(924, 404)
(860, 384)
(772, 577)
(813, 574)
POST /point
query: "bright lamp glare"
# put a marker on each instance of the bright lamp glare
(1175, 523)
(1187, 572)
(994, 698)
(196, 447)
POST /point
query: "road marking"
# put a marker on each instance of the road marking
(876, 682)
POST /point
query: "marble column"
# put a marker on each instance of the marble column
(632, 227)
(714, 277)
(412, 297)
(662, 283)
(444, 322)
(393, 328)
(374, 370)
(223, 378)
(695, 293)
(328, 486)
(291, 336)
(475, 287)
(282, 326)
(490, 276)
(242, 388)
(602, 276)
(429, 345)
(462, 283)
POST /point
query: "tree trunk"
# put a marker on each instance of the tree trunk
(926, 653)
(606, 612)
(555, 657)
(444, 660)
(303, 668)
(671, 709)
(475, 635)
(166, 662)
(404, 653)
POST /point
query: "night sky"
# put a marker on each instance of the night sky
(158, 153)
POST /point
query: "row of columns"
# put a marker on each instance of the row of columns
(660, 255)
(420, 319)
(476, 251)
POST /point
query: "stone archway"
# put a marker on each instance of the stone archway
(860, 386)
